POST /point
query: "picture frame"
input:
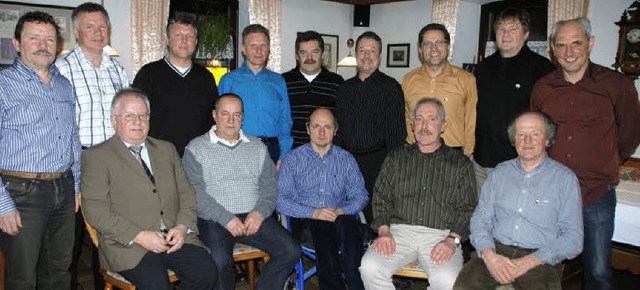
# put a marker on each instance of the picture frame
(10, 12)
(331, 51)
(398, 55)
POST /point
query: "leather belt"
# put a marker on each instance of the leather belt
(33, 175)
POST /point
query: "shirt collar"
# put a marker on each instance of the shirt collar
(25, 69)
(83, 57)
(446, 70)
(215, 139)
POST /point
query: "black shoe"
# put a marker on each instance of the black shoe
(240, 273)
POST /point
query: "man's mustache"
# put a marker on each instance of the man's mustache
(310, 61)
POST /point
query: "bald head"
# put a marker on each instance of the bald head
(322, 127)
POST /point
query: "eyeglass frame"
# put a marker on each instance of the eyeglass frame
(437, 43)
(128, 117)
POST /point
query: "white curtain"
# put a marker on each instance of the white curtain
(446, 12)
(564, 10)
(268, 13)
(148, 23)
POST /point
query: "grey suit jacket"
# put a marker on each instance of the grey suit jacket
(119, 199)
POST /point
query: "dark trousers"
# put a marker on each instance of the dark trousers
(598, 231)
(271, 237)
(329, 239)
(192, 265)
(98, 281)
(476, 275)
(370, 165)
(40, 254)
(273, 147)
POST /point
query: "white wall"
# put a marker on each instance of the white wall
(603, 14)
(465, 48)
(120, 15)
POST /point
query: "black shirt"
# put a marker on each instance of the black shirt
(370, 114)
(305, 96)
(504, 88)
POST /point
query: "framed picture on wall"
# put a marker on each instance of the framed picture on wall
(11, 12)
(330, 51)
(398, 55)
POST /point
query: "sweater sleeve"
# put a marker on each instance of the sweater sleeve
(208, 207)
(267, 183)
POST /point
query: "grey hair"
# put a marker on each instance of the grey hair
(88, 7)
(433, 101)
(549, 127)
(584, 22)
(138, 94)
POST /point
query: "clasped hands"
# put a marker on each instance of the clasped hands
(250, 226)
(506, 270)
(327, 214)
(156, 242)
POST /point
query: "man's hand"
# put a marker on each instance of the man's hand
(152, 241)
(385, 244)
(325, 214)
(501, 268)
(278, 163)
(525, 264)
(443, 251)
(235, 227)
(11, 223)
(175, 237)
(253, 222)
(77, 203)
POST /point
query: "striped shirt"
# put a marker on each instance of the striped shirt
(95, 88)
(38, 132)
(307, 181)
(370, 114)
(435, 190)
(305, 96)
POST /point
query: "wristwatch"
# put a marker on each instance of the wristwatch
(455, 239)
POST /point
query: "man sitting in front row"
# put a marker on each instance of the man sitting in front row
(529, 217)
(422, 203)
(320, 186)
(235, 182)
(136, 195)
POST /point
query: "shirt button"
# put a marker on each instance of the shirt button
(520, 210)
(569, 156)
(516, 227)
(422, 203)
(569, 137)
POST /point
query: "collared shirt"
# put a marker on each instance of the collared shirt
(370, 113)
(215, 139)
(308, 181)
(456, 89)
(305, 96)
(144, 154)
(597, 124)
(38, 131)
(504, 87)
(94, 88)
(539, 210)
(435, 190)
(266, 104)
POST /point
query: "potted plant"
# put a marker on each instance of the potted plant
(214, 38)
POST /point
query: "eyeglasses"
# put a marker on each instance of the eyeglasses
(134, 117)
(437, 43)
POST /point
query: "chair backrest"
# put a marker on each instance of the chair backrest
(92, 231)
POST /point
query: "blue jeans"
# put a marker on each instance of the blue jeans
(39, 256)
(271, 237)
(598, 231)
(329, 238)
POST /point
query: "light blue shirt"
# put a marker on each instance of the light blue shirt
(38, 131)
(307, 182)
(541, 210)
(266, 103)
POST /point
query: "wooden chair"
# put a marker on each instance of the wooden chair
(241, 252)
(412, 270)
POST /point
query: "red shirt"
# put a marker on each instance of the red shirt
(598, 124)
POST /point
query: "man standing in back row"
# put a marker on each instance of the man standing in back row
(597, 114)
(182, 93)
(309, 84)
(96, 77)
(505, 80)
(369, 109)
(453, 86)
(263, 92)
